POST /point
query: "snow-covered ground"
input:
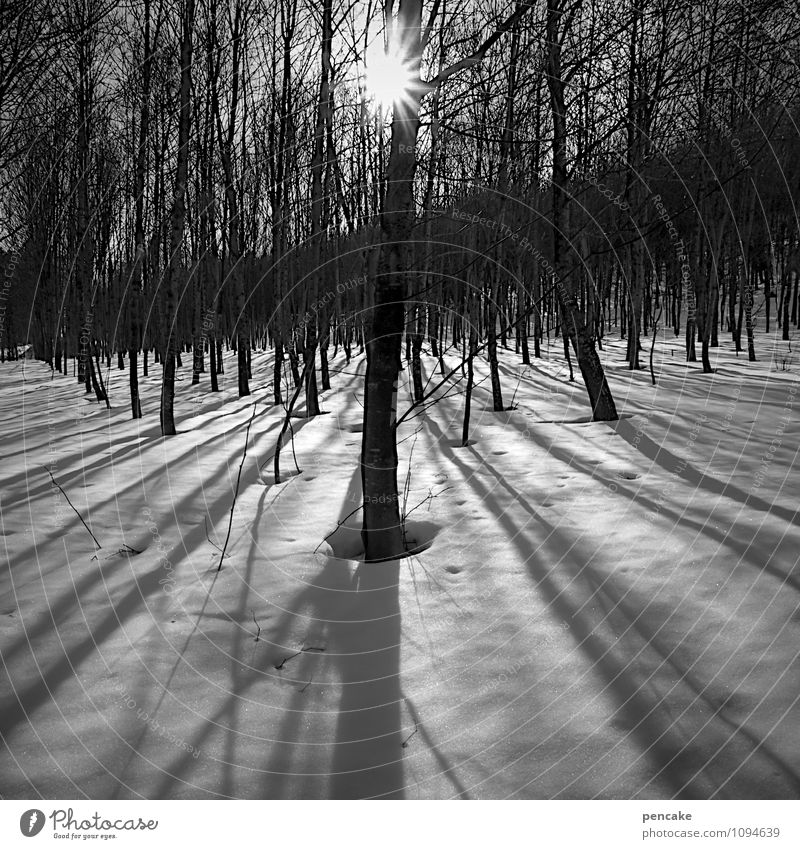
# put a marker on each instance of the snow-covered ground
(603, 610)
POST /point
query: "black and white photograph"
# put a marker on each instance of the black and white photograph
(400, 401)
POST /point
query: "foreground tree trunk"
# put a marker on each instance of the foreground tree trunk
(381, 531)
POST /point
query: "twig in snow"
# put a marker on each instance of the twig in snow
(653, 344)
(296, 654)
(294, 454)
(404, 744)
(73, 507)
(258, 633)
(286, 422)
(305, 686)
(338, 525)
(236, 491)
(431, 495)
(121, 552)
(512, 406)
(280, 665)
(410, 436)
(205, 523)
(406, 490)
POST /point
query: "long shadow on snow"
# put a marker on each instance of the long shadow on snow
(693, 766)
(196, 536)
(60, 608)
(19, 708)
(640, 621)
(745, 549)
(151, 440)
(355, 618)
(672, 463)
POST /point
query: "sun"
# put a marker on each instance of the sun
(387, 78)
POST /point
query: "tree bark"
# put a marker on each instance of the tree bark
(600, 397)
(177, 224)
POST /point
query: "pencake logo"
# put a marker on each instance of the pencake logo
(31, 822)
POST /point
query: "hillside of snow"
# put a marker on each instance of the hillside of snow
(596, 611)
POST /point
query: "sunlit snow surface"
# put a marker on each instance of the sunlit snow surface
(603, 610)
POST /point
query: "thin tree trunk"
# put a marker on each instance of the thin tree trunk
(177, 223)
(600, 397)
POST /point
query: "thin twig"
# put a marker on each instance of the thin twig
(280, 665)
(72, 506)
(258, 634)
(205, 522)
(431, 495)
(516, 389)
(407, 487)
(338, 525)
(276, 457)
(294, 453)
(236, 490)
(296, 654)
(653, 344)
(404, 744)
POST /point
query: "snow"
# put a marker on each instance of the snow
(596, 611)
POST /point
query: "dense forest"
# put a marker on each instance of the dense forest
(185, 178)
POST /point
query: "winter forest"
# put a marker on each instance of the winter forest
(399, 400)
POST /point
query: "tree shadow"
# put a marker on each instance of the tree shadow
(670, 462)
(368, 761)
(682, 727)
(353, 612)
(332, 725)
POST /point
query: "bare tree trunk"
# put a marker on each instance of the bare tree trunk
(491, 347)
(177, 223)
(139, 237)
(381, 530)
(471, 345)
(317, 235)
(226, 140)
(600, 397)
